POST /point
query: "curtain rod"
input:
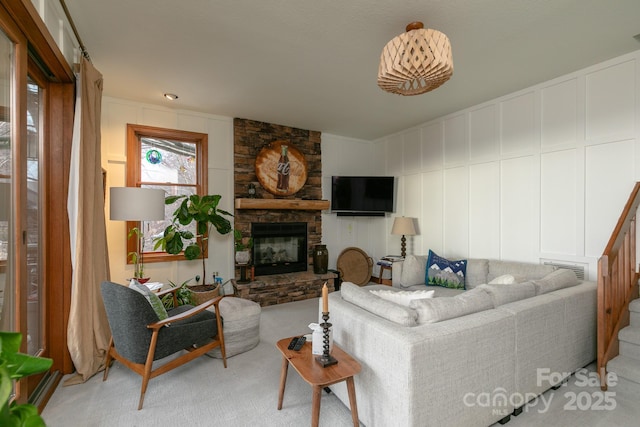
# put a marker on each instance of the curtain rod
(83, 48)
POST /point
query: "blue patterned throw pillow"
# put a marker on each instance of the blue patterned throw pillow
(445, 273)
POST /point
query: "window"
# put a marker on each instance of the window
(172, 160)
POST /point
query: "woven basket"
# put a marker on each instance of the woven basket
(203, 296)
(355, 266)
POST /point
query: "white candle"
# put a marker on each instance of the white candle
(325, 298)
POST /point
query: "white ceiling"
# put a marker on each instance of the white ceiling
(313, 64)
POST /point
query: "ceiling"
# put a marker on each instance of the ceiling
(313, 64)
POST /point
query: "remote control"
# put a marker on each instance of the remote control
(293, 342)
(299, 343)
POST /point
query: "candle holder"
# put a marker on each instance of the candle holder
(326, 359)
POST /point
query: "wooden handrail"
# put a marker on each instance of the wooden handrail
(617, 284)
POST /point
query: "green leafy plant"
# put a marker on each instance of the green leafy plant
(13, 366)
(241, 243)
(206, 215)
(136, 256)
(183, 295)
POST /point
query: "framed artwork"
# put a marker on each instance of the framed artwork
(281, 168)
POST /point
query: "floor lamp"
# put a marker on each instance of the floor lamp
(403, 226)
(136, 204)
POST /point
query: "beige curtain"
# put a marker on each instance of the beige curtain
(88, 332)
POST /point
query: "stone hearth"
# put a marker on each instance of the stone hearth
(281, 288)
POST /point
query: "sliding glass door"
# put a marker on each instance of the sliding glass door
(35, 220)
(7, 226)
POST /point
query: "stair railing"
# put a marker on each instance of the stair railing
(617, 284)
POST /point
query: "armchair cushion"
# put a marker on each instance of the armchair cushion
(152, 298)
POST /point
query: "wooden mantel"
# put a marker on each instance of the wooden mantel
(292, 204)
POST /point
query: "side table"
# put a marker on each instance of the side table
(383, 268)
(318, 377)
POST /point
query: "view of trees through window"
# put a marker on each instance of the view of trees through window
(167, 159)
(170, 166)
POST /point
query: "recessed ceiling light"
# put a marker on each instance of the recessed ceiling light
(171, 96)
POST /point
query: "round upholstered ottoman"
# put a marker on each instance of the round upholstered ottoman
(241, 325)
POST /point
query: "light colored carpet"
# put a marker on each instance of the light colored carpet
(203, 393)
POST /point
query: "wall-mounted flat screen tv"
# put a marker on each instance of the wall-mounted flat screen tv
(362, 195)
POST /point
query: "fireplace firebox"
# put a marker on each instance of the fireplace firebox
(279, 247)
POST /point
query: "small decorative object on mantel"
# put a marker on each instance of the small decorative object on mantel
(251, 191)
(281, 168)
(325, 359)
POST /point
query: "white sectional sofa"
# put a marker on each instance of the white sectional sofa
(423, 365)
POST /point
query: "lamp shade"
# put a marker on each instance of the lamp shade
(136, 204)
(415, 62)
(403, 226)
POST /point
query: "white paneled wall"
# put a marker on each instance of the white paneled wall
(116, 114)
(348, 156)
(540, 174)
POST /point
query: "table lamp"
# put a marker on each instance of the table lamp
(403, 226)
(136, 204)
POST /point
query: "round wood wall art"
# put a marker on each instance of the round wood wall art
(281, 168)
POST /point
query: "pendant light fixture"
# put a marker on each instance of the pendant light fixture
(415, 62)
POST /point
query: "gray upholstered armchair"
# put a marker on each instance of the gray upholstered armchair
(139, 337)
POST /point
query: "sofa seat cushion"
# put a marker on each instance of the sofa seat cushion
(559, 279)
(361, 297)
(439, 309)
(402, 297)
(504, 294)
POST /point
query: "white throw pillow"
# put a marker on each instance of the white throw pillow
(402, 297)
(505, 279)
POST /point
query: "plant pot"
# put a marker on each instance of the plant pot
(243, 257)
(204, 293)
(143, 280)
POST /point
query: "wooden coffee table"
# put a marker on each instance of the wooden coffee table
(318, 377)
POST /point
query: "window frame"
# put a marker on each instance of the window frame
(134, 147)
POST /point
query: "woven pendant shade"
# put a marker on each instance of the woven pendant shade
(415, 62)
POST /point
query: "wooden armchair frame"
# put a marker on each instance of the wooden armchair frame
(146, 370)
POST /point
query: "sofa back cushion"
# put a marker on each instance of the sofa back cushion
(504, 294)
(391, 311)
(477, 270)
(559, 279)
(439, 309)
(413, 271)
(518, 269)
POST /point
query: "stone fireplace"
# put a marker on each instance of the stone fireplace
(250, 137)
(279, 247)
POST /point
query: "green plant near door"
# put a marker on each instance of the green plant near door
(136, 256)
(206, 215)
(13, 366)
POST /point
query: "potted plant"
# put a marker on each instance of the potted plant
(204, 212)
(137, 257)
(243, 246)
(13, 366)
(183, 295)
